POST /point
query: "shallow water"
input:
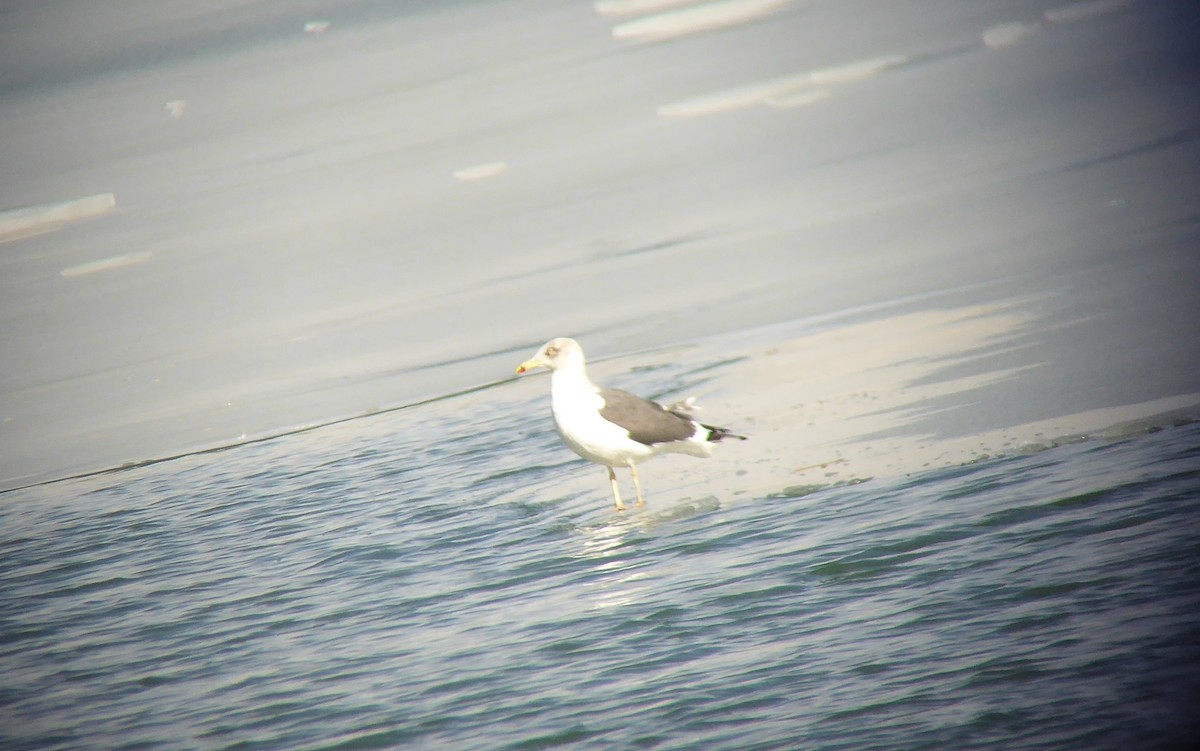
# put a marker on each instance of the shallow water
(407, 579)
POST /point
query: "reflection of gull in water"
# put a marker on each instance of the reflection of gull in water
(613, 427)
(617, 582)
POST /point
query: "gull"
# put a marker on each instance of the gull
(613, 427)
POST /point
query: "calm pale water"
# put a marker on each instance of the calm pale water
(407, 580)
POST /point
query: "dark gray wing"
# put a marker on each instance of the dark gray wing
(647, 422)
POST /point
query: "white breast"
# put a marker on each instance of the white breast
(576, 406)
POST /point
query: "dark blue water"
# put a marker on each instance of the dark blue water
(416, 579)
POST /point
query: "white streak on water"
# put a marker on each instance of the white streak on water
(786, 91)
(705, 17)
(1008, 34)
(19, 223)
(1085, 10)
(107, 264)
(633, 7)
(480, 171)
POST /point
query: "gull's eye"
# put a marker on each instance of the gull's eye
(551, 351)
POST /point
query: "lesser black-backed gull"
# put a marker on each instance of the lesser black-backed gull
(613, 427)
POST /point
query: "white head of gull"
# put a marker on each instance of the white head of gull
(613, 427)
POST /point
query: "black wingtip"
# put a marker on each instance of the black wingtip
(716, 434)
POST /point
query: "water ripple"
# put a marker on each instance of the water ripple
(307, 596)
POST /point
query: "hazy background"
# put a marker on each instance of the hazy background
(295, 238)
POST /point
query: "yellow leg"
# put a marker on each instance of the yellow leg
(637, 484)
(612, 479)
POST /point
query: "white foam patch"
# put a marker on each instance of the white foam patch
(480, 171)
(1008, 34)
(705, 17)
(107, 264)
(1082, 11)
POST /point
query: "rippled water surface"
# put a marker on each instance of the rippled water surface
(408, 580)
